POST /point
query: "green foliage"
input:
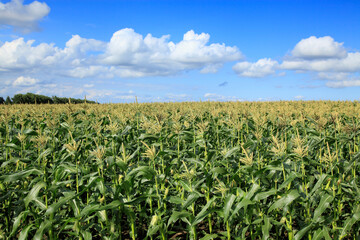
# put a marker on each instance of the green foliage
(8, 100)
(30, 98)
(280, 170)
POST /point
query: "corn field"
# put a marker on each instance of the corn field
(206, 170)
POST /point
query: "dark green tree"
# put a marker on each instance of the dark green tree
(8, 100)
(2, 100)
(18, 99)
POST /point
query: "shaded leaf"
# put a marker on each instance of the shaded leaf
(284, 201)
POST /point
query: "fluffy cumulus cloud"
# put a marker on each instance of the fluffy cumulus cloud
(350, 63)
(261, 68)
(127, 54)
(315, 48)
(25, 81)
(322, 57)
(132, 55)
(24, 17)
(20, 55)
(327, 59)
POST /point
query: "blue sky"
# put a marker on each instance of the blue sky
(112, 51)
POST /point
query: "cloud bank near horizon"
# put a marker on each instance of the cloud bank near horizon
(321, 56)
(127, 54)
(130, 55)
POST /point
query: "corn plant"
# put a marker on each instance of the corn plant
(205, 170)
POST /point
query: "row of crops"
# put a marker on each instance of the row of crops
(206, 170)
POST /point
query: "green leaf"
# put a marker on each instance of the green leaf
(209, 237)
(178, 215)
(265, 228)
(101, 187)
(231, 152)
(323, 205)
(349, 222)
(186, 186)
(191, 198)
(195, 161)
(219, 170)
(244, 203)
(322, 178)
(243, 232)
(126, 130)
(17, 222)
(90, 208)
(145, 171)
(32, 195)
(13, 146)
(68, 167)
(289, 179)
(102, 215)
(318, 234)
(70, 195)
(300, 234)
(55, 206)
(98, 207)
(153, 229)
(24, 233)
(263, 195)
(113, 205)
(87, 235)
(44, 154)
(20, 175)
(203, 213)
(30, 132)
(252, 191)
(284, 201)
(229, 201)
(326, 234)
(144, 136)
(43, 227)
(176, 200)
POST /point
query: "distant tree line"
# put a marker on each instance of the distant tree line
(30, 98)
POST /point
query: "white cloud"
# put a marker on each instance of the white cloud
(345, 83)
(321, 56)
(89, 71)
(135, 56)
(315, 48)
(23, 17)
(25, 81)
(211, 68)
(218, 97)
(262, 68)
(327, 59)
(350, 63)
(127, 54)
(299, 97)
(88, 85)
(333, 76)
(63, 90)
(126, 97)
(177, 97)
(19, 54)
(98, 93)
